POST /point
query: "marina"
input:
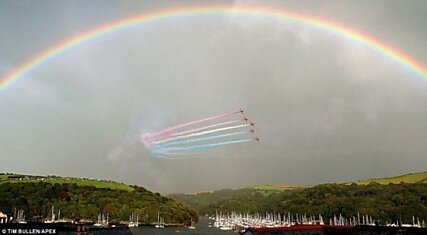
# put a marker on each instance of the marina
(288, 223)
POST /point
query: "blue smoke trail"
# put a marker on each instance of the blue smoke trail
(172, 157)
(203, 146)
(200, 139)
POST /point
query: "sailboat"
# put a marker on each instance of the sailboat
(52, 212)
(132, 222)
(159, 221)
(102, 222)
(20, 217)
(192, 225)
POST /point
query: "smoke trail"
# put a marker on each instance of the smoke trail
(159, 134)
(172, 143)
(177, 154)
(204, 128)
(173, 155)
(166, 156)
(200, 139)
(203, 146)
(200, 133)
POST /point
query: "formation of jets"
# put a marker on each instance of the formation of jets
(250, 123)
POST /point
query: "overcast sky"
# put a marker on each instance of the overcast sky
(326, 108)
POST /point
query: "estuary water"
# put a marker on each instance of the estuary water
(201, 228)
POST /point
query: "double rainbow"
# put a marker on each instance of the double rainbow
(338, 29)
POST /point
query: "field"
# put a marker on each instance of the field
(3, 177)
(14, 178)
(264, 189)
(269, 189)
(420, 177)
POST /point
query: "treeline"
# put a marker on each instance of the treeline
(383, 202)
(86, 202)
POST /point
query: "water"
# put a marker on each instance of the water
(201, 228)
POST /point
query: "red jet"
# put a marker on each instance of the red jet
(246, 119)
(256, 138)
(241, 111)
(252, 131)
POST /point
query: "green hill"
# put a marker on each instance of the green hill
(419, 177)
(15, 178)
(86, 198)
(250, 198)
(376, 197)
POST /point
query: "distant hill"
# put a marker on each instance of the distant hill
(419, 177)
(86, 199)
(376, 197)
(202, 202)
(196, 200)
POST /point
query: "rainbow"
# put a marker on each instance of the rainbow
(338, 29)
